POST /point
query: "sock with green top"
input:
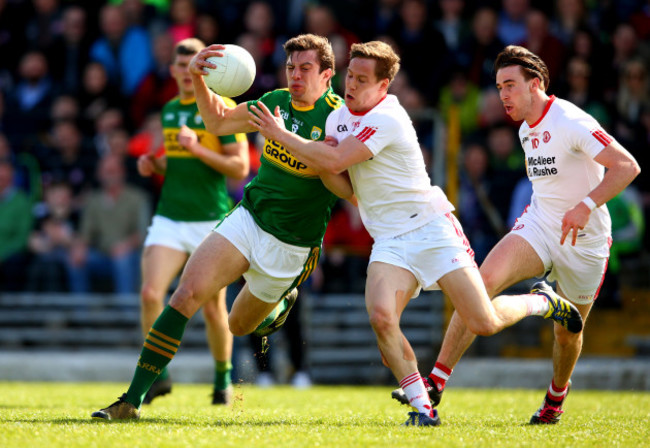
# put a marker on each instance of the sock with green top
(222, 375)
(159, 349)
(268, 320)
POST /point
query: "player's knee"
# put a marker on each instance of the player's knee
(237, 327)
(564, 338)
(382, 320)
(482, 327)
(150, 296)
(491, 281)
(186, 300)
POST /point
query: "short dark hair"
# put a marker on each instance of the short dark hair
(388, 61)
(306, 42)
(188, 47)
(531, 64)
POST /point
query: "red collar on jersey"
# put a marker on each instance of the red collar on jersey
(359, 114)
(546, 108)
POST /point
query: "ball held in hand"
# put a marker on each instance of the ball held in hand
(234, 74)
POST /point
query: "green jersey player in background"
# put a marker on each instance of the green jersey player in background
(194, 198)
(273, 237)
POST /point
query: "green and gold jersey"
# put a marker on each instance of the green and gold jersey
(192, 191)
(287, 198)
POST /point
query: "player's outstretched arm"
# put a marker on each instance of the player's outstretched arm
(622, 168)
(316, 155)
(219, 119)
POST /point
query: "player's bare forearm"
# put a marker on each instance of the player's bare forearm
(339, 184)
(622, 169)
(219, 119)
(233, 162)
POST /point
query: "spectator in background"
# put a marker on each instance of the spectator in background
(183, 20)
(66, 157)
(482, 222)
(65, 108)
(265, 78)
(108, 121)
(540, 41)
(148, 140)
(640, 20)
(44, 25)
(15, 225)
(628, 225)
(208, 29)
(259, 20)
(125, 52)
(415, 38)
(147, 14)
(340, 48)
(320, 20)
(578, 89)
(586, 45)
(632, 105)
(478, 51)
(113, 224)
(451, 23)
(632, 101)
(520, 200)
(29, 102)
(512, 21)
(570, 16)
(506, 167)
(491, 111)
(385, 15)
(26, 169)
(96, 96)
(69, 53)
(50, 241)
(158, 87)
(626, 47)
(464, 96)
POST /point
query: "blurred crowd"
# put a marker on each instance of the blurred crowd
(82, 84)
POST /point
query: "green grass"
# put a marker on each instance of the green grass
(57, 415)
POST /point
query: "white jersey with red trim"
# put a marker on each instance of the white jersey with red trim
(560, 150)
(393, 188)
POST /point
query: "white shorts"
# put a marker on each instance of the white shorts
(579, 270)
(428, 252)
(180, 235)
(275, 267)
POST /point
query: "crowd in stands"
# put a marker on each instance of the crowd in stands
(82, 84)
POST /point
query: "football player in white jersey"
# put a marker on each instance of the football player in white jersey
(565, 232)
(419, 244)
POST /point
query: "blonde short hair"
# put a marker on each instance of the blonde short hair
(388, 62)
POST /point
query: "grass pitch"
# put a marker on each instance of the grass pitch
(58, 415)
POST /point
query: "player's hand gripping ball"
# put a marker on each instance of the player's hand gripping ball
(234, 74)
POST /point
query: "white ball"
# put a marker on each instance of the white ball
(234, 74)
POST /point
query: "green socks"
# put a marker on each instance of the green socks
(159, 349)
(268, 320)
(222, 377)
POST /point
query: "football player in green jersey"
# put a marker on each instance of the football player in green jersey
(273, 237)
(193, 199)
